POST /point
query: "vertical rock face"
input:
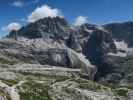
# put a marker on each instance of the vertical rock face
(13, 34)
(99, 44)
(73, 43)
(86, 29)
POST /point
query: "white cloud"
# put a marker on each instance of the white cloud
(80, 20)
(18, 3)
(11, 26)
(42, 12)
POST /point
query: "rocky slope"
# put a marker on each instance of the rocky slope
(121, 31)
(52, 60)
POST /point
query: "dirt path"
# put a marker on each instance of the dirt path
(12, 91)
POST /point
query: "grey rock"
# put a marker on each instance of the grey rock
(71, 90)
(121, 31)
(48, 27)
(73, 43)
(66, 58)
(2, 98)
(6, 75)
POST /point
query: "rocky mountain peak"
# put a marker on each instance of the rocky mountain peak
(46, 27)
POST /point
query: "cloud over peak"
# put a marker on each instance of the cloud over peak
(80, 20)
(42, 12)
(11, 26)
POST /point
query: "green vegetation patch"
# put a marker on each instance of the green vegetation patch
(121, 92)
(39, 76)
(32, 90)
(10, 82)
(7, 61)
(90, 85)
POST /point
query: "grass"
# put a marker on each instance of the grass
(121, 92)
(7, 61)
(10, 82)
(40, 76)
(34, 91)
(90, 85)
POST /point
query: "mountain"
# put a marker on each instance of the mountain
(121, 31)
(53, 60)
(96, 43)
(47, 27)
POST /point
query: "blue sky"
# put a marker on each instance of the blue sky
(97, 11)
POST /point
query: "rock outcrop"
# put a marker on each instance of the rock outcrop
(73, 43)
(99, 44)
(65, 57)
(121, 31)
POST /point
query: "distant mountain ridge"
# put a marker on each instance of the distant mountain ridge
(121, 31)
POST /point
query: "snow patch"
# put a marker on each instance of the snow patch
(122, 48)
(122, 45)
(118, 54)
(88, 30)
